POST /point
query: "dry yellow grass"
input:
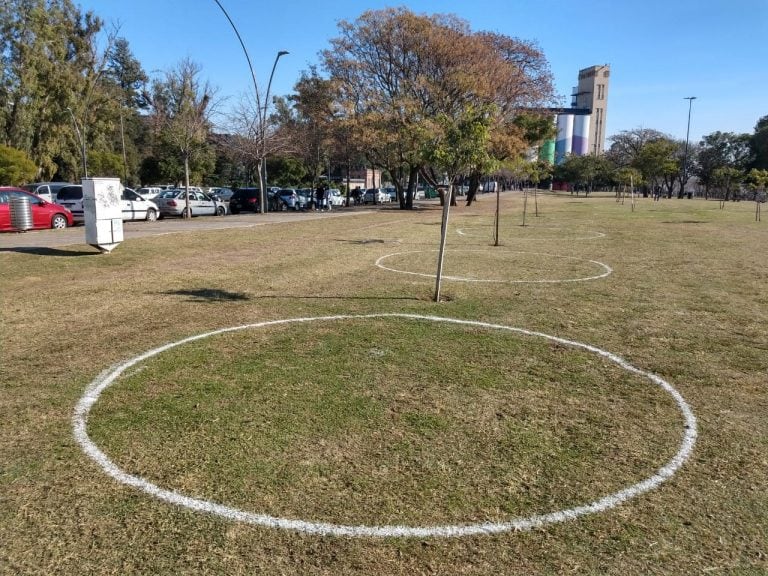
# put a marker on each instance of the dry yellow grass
(687, 300)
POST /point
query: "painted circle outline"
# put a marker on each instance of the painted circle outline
(607, 269)
(108, 377)
(462, 232)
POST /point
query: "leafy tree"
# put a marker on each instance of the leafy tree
(404, 79)
(182, 106)
(722, 150)
(106, 164)
(126, 72)
(757, 182)
(586, 172)
(462, 144)
(658, 163)
(758, 144)
(627, 144)
(312, 124)
(16, 167)
(50, 62)
(727, 179)
(126, 83)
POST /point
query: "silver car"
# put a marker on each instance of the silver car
(173, 203)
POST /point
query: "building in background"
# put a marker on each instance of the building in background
(581, 128)
(592, 93)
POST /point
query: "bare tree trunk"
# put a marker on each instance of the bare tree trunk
(525, 204)
(187, 211)
(443, 234)
(498, 211)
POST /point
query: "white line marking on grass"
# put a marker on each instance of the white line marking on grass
(108, 377)
(607, 269)
(463, 232)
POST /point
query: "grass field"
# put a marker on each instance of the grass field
(376, 415)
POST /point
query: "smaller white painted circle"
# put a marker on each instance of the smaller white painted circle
(108, 377)
(468, 231)
(607, 270)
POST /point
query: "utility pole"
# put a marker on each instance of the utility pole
(684, 178)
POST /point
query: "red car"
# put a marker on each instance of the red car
(44, 214)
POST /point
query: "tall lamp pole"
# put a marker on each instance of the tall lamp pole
(261, 112)
(685, 156)
(81, 141)
(264, 131)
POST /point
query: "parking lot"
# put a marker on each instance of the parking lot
(76, 234)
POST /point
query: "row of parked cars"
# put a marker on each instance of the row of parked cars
(249, 199)
(60, 204)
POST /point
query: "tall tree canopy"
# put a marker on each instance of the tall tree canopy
(409, 81)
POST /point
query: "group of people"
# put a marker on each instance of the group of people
(322, 202)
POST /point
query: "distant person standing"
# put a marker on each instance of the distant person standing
(320, 198)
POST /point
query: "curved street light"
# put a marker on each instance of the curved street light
(685, 155)
(261, 112)
(80, 140)
(264, 128)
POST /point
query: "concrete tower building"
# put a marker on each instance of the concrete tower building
(592, 93)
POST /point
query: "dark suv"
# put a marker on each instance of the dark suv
(249, 200)
(245, 200)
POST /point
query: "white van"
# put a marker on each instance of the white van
(134, 206)
(46, 190)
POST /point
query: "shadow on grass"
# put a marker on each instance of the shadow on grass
(216, 295)
(39, 251)
(369, 241)
(208, 295)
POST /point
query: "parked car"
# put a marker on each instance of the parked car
(335, 197)
(136, 207)
(149, 192)
(245, 200)
(46, 190)
(392, 191)
(174, 203)
(288, 199)
(44, 214)
(306, 198)
(375, 196)
(223, 194)
(133, 205)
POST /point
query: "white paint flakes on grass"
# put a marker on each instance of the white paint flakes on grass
(108, 377)
(607, 270)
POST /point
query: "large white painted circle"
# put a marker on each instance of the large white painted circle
(606, 270)
(107, 378)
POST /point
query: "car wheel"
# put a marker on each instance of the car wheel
(59, 221)
(220, 210)
(151, 215)
(186, 213)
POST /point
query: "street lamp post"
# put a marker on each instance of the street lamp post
(685, 156)
(264, 196)
(261, 112)
(80, 141)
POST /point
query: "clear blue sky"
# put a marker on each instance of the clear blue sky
(660, 51)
